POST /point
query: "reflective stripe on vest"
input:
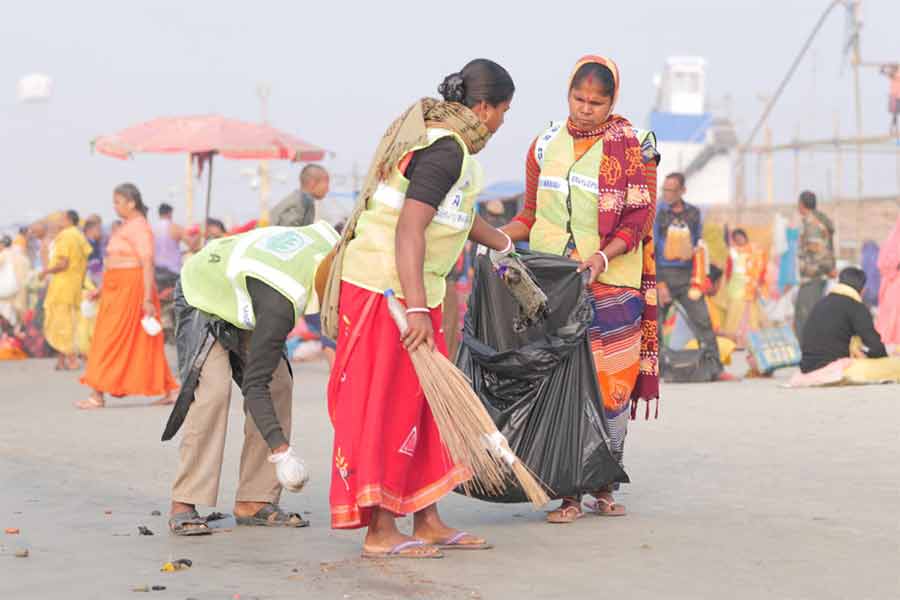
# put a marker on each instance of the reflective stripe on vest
(567, 205)
(215, 279)
(370, 260)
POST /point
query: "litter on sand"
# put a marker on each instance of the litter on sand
(177, 565)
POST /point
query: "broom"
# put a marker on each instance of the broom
(466, 428)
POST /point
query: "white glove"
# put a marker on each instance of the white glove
(290, 470)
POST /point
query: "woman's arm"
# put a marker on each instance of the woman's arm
(483, 233)
(410, 259)
(147, 271)
(520, 227)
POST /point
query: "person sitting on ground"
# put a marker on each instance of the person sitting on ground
(835, 320)
(234, 326)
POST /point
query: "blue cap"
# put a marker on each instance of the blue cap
(389, 293)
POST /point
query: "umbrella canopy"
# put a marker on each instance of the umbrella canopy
(208, 134)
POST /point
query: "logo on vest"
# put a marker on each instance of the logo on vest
(586, 183)
(284, 244)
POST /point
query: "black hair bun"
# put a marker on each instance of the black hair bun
(453, 89)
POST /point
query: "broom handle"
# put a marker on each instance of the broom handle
(397, 311)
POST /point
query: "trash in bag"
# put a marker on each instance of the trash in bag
(540, 385)
(531, 299)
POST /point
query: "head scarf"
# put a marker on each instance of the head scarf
(627, 207)
(606, 62)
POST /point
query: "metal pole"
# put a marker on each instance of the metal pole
(770, 169)
(208, 194)
(856, 7)
(189, 190)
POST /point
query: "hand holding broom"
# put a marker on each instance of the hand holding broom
(466, 428)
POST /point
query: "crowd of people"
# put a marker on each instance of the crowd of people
(239, 296)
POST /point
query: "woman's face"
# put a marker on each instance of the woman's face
(589, 104)
(123, 206)
(492, 116)
(739, 239)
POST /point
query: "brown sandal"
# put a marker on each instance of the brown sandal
(604, 506)
(567, 513)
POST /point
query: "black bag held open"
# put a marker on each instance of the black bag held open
(540, 385)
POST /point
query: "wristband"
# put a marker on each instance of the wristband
(605, 260)
(509, 244)
(424, 311)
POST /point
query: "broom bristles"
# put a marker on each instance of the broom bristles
(466, 429)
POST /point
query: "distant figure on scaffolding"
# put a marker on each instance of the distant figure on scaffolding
(893, 72)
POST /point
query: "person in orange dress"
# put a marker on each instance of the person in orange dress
(125, 360)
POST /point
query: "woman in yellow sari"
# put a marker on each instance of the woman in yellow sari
(745, 277)
(67, 265)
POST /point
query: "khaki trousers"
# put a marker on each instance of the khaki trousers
(203, 438)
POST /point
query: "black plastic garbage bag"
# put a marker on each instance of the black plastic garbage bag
(540, 385)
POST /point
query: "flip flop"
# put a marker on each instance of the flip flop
(272, 516)
(179, 521)
(454, 542)
(566, 514)
(604, 507)
(402, 550)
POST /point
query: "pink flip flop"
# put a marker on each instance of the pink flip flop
(402, 550)
(454, 542)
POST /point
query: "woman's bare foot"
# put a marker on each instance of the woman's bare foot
(428, 527)
(94, 401)
(168, 399)
(73, 363)
(383, 537)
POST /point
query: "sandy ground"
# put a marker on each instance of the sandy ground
(740, 490)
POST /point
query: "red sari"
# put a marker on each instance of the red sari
(387, 449)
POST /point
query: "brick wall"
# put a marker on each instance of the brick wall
(855, 221)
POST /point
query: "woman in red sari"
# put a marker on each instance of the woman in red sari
(419, 197)
(590, 195)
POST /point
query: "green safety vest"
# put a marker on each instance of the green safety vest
(215, 279)
(567, 205)
(370, 262)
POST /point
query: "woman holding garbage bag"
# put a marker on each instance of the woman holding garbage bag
(416, 211)
(588, 197)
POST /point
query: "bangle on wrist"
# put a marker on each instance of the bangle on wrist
(421, 310)
(605, 260)
(509, 244)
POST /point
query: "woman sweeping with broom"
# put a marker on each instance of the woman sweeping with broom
(589, 195)
(416, 211)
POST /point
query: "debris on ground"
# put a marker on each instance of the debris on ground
(216, 516)
(107, 512)
(144, 531)
(158, 588)
(155, 513)
(141, 588)
(12, 531)
(23, 553)
(177, 565)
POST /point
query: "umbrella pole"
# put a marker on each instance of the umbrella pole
(208, 195)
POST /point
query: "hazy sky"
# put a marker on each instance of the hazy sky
(341, 71)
